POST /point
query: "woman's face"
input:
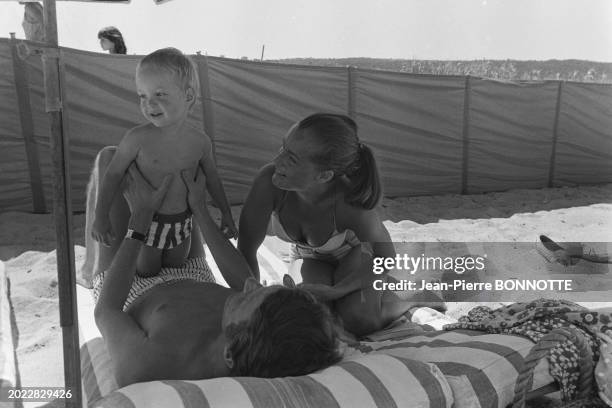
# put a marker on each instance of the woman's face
(107, 45)
(294, 168)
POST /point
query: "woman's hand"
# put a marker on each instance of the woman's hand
(322, 292)
(142, 198)
(195, 181)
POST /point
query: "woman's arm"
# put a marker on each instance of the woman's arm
(231, 263)
(255, 217)
(351, 268)
(355, 271)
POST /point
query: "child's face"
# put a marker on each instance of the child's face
(163, 101)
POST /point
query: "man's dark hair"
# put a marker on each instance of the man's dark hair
(290, 334)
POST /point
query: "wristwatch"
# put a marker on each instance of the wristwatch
(131, 234)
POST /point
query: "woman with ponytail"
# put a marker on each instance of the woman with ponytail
(321, 193)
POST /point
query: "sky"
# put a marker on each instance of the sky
(404, 29)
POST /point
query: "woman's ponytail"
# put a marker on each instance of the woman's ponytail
(366, 188)
(338, 149)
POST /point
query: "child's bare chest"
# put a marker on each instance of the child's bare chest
(158, 158)
(161, 158)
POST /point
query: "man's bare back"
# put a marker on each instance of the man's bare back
(183, 325)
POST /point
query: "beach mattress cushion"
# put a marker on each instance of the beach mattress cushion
(481, 368)
(431, 369)
(370, 381)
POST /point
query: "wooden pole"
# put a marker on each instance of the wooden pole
(466, 135)
(62, 211)
(555, 135)
(207, 106)
(22, 89)
(350, 79)
(263, 47)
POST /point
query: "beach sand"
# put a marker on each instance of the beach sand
(27, 246)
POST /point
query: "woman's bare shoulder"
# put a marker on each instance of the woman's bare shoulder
(355, 217)
(262, 186)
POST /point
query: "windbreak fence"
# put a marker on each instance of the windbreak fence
(431, 134)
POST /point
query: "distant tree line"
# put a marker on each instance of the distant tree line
(565, 70)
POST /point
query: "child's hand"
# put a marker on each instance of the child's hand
(102, 231)
(228, 228)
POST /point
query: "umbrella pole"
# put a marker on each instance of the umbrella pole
(62, 211)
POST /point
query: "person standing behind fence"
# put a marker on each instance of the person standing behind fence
(33, 22)
(111, 40)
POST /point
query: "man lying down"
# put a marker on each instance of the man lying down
(195, 328)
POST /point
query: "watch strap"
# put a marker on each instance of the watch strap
(132, 234)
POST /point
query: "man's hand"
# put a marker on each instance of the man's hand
(228, 227)
(142, 198)
(102, 230)
(195, 181)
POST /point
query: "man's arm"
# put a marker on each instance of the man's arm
(231, 263)
(126, 153)
(126, 341)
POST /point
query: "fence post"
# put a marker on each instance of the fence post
(351, 92)
(553, 150)
(466, 135)
(207, 106)
(62, 210)
(27, 128)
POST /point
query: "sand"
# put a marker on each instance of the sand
(27, 246)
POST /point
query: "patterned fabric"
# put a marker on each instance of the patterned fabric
(537, 318)
(169, 231)
(196, 269)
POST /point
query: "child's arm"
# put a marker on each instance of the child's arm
(126, 152)
(217, 193)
